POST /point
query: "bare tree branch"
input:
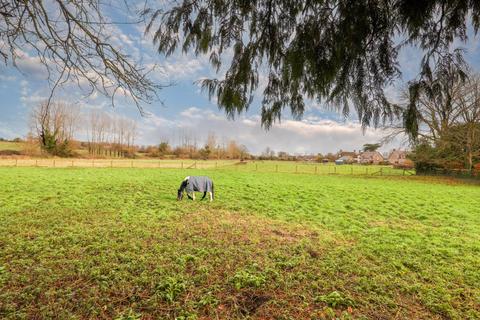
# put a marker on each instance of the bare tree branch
(72, 40)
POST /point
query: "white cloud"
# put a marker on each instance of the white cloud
(32, 67)
(311, 135)
(7, 78)
(182, 67)
(192, 113)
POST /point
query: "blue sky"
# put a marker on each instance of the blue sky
(187, 110)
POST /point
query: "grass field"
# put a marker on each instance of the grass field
(235, 165)
(15, 146)
(114, 243)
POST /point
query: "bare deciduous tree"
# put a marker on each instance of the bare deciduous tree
(448, 113)
(55, 125)
(110, 133)
(466, 134)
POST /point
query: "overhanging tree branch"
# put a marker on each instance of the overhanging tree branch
(72, 39)
(339, 52)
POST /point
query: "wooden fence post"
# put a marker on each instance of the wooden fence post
(256, 167)
(36, 162)
(182, 164)
(351, 170)
(381, 171)
(159, 163)
(195, 164)
(276, 168)
(111, 163)
(72, 163)
(216, 164)
(16, 162)
(131, 164)
(93, 163)
(315, 169)
(335, 169)
(54, 163)
(296, 168)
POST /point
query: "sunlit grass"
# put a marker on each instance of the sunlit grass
(14, 146)
(114, 243)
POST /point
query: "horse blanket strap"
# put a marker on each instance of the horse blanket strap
(199, 184)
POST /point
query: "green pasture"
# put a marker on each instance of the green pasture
(13, 146)
(113, 243)
(318, 168)
(234, 165)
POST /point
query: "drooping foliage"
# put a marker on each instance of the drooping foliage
(341, 52)
(371, 147)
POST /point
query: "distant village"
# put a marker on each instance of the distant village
(398, 158)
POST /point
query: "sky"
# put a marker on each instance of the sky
(185, 110)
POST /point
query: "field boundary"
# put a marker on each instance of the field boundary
(113, 163)
(235, 165)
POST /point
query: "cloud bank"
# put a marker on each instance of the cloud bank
(313, 134)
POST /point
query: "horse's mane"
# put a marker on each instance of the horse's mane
(183, 185)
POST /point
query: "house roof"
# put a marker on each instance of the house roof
(347, 153)
(396, 154)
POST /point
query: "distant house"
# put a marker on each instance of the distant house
(370, 157)
(347, 157)
(398, 157)
(344, 160)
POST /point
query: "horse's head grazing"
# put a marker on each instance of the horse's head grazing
(180, 194)
(181, 189)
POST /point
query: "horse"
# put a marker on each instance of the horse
(196, 183)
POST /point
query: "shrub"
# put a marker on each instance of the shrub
(10, 153)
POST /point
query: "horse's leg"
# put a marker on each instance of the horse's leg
(204, 195)
(211, 196)
(193, 195)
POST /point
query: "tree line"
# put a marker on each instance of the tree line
(58, 128)
(55, 126)
(189, 147)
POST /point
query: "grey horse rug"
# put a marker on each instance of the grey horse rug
(199, 184)
(194, 184)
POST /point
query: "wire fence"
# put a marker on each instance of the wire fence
(113, 163)
(235, 165)
(320, 169)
